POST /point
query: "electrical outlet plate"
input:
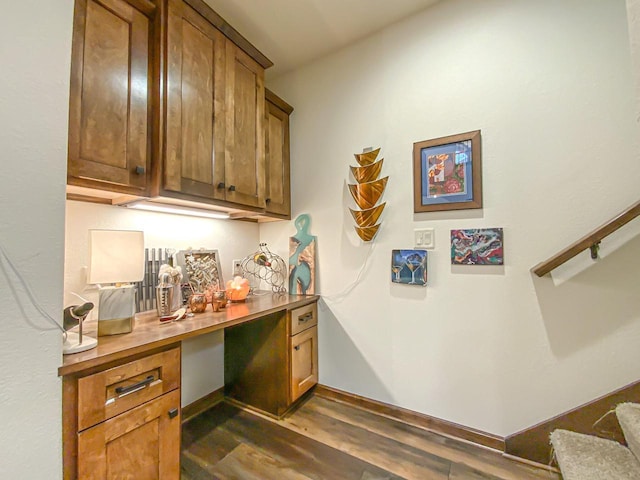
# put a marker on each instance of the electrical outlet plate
(424, 237)
(236, 268)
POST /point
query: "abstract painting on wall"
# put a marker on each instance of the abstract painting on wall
(409, 267)
(481, 246)
(302, 258)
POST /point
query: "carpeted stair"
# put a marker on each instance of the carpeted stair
(586, 457)
(629, 418)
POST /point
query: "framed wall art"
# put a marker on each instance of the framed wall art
(478, 246)
(447, 173)
(409, 267)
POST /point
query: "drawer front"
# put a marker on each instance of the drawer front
(303, 318)
(106, 394)
(304, 362)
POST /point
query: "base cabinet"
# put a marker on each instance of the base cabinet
(143, 443)
(272, 361)
(304, 362)
(124, 422)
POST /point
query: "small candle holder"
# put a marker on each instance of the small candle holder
(198, 302)
(219, 300)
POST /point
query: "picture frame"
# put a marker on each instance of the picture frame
(201, 269)
(409, 267)
(447, 173)
(477, 246)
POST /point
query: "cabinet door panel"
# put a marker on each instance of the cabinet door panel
(304, 362)
(244, 162)
(108, 116)
(278, 190)
(141, 444)
(194, 150)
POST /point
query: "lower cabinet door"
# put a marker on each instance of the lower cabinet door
(142, 443)
(304, 362)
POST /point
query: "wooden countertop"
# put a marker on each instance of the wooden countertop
(148, 333)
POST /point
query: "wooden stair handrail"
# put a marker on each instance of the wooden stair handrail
(590, 240)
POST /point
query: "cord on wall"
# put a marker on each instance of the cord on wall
(27, 289)
(338, 297)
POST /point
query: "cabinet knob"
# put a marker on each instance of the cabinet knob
(139, 170)
(221, 185)
(267, 200)
(296, 348)
(232, 188)
(173, 413)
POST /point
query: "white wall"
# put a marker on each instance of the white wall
(35, 54)
(550, 85)
(202, 358)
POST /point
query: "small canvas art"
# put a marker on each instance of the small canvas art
(483, 246)
(409, 267)
(302, 258)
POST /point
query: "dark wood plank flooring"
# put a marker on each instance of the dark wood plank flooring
(325, 439)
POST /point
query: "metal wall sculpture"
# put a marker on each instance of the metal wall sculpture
(367, 192)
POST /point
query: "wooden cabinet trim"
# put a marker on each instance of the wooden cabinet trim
(231, 33)
(278, 102)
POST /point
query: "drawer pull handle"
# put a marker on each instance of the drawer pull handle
(122, 391)
(173, 413)
(296, 348)
(305, 318)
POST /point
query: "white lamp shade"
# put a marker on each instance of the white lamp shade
(116, 256)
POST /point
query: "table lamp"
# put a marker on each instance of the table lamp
(116, 257)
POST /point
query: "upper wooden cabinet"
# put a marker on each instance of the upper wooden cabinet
(109, 145)
(244, 163)
(194, 153)
(167, 100)
(215, 112)
(278, 188)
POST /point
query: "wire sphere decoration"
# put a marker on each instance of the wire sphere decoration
(266, 266)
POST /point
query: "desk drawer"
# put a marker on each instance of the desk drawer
(303, 318)
(108, 393)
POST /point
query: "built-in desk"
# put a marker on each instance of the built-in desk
(121, 400)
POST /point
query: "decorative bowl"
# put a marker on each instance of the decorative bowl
(366, 218)
(198, 302)
(367, 173)
(367, 158)
(367, 233)
(366, 195)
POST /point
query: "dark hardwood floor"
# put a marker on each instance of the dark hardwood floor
(325, 439)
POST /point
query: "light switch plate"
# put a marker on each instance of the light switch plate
(424, 237)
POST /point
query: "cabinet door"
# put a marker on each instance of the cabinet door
(244, 161)
(304, 362)
(108, 113)
(278, 189)
(141, 444)
(194, 147)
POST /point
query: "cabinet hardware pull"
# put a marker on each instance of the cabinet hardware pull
(232, 188)
(139, 170)
(173, 413)
(267, 200)
(221, 185)
(122, 391)
(296, 348)
(306, 317)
